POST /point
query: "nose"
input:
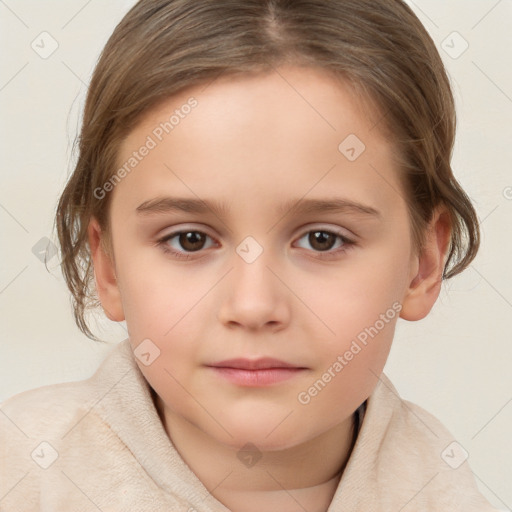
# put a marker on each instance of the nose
(254, 297)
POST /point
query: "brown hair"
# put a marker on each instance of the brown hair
(160, 47)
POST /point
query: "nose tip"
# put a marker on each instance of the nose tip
(252, 324)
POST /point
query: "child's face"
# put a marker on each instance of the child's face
(257, 146)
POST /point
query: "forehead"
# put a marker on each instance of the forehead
(288, 131)
(313, 94)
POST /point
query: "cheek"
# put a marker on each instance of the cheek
(156, 294)
(350, 367)
(359, 309)
(163, 304)
(356, 294)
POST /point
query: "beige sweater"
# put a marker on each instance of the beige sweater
(99, 445)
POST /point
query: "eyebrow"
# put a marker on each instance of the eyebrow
(220, 209)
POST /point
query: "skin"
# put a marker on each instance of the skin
(255, 143)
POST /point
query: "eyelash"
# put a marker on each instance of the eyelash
(330, 254)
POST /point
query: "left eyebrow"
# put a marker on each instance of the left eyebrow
(220, 209)
(330, 205)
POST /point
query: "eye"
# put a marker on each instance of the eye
(186, 240)
(323, 241)
(181, 244)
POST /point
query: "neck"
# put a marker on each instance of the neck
(305, 475)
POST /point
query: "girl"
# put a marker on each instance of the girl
(263, 188)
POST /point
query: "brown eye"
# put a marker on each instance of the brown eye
(183, 243)
(325, 243)
(191, 240)
(322, 240)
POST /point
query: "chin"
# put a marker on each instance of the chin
(264, 436)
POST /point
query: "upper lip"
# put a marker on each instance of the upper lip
(253, 364)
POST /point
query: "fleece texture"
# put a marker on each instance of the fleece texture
(99, 445)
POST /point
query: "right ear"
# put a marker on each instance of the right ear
(104, 273)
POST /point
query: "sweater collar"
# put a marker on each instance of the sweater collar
(129, 410)
(128, 407)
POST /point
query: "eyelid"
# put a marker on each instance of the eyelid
(185, 228)
(336, 230)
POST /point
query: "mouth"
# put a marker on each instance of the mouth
(256, 372)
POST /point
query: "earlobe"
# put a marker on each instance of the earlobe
(425, 284)
(104, 273)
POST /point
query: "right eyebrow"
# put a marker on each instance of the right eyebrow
(177, 204)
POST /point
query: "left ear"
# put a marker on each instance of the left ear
(429, 265)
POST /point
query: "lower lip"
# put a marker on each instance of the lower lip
(257, 378)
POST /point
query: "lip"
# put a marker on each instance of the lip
(260, 372)
(262, 363)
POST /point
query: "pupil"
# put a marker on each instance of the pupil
(191, 240)
(318, 240)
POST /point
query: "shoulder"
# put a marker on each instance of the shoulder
(48, 413)
(413, 422)
(45, 409)
(52, 408)
(44, 424)
(418, 451)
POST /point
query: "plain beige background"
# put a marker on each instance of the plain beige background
(455, 363)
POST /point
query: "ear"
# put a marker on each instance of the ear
(428, 267)
(104, 273)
